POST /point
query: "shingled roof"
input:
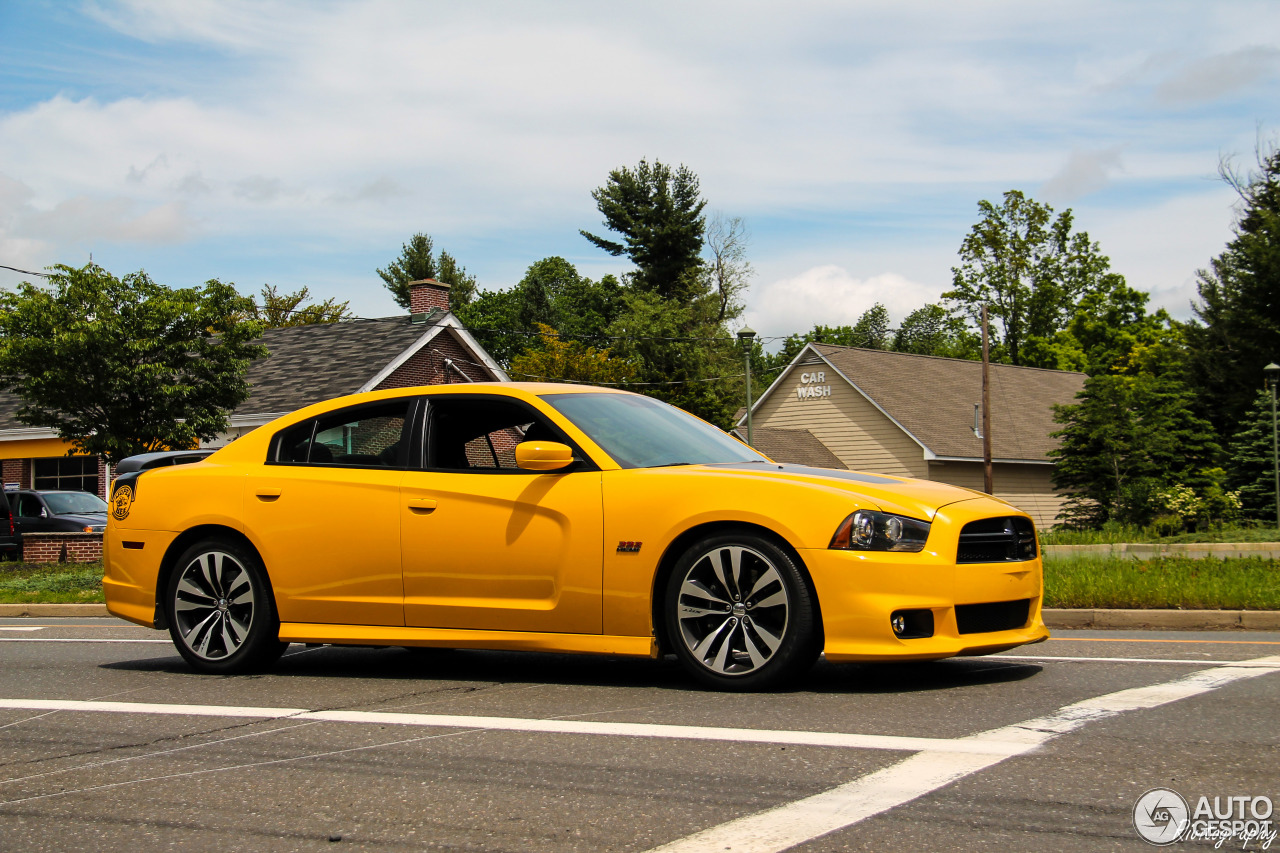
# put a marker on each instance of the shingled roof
(932, 399)
(309, 363)
(796, 446)
(322, 361)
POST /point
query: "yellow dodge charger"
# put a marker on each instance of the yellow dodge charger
(557, 518)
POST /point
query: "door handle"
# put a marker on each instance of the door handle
(422, 506)
(268, 493)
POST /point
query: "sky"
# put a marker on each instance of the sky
(301, 143)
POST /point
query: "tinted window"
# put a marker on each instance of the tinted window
(481, 434)
(640, 432)
(29, 506)
(364, 436)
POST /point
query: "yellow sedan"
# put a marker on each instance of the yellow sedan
(557, 518)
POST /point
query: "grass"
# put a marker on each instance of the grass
(1176, 583)
(34, 583)
(1114, 534)
(1242, 583)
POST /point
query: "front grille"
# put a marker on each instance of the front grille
(997, 540)
(996, 616)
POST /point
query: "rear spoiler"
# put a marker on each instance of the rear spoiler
(147, 461)
(132, 467)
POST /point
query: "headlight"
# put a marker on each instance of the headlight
(866, 530)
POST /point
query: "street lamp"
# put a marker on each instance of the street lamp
(747, 334)
(1272, 372)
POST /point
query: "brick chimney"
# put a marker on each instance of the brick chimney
(427, 294)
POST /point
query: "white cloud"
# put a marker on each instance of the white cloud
(1213, 77)
(829, 295)
(83, 219)
(1085, 172)
(351, 125)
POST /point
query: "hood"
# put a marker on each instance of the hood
(90, 518)
(899, 495)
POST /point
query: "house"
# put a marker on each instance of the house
(304, 365)
(914, 416)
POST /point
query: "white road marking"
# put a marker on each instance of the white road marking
(20, 628)
(517, 724)
(1200, 662)
(76, 640)
(813, 817)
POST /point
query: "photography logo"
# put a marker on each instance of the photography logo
(1161, 816)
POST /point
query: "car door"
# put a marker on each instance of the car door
(33, 515)
(489, 546)
(324, 514)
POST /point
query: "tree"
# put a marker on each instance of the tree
(1252, 460)
(559, 360)
(1126, 438)
(1239, 307)
(870, 331)
(1110, 331)
(551, 292)
(277, 309)
(1029, 269)
(683, 355)
(933, 330)
(125, 366)
(729, 270)
(418, 261)
(658, 213)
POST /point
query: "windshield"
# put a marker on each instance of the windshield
(639, 432)
(62, 503)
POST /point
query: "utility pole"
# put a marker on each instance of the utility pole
(988, 478)
(747, 335)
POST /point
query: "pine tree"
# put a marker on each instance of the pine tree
(1240, 302)
(1251, 464)
(418, 261)
(1125, 438)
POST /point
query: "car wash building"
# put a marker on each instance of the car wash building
(916, 416)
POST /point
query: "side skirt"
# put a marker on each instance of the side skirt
(457, 638)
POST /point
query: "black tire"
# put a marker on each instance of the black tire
(221, 611)
(739, 614)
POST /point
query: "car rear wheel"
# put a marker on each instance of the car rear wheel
(739, 615)
(221, 614)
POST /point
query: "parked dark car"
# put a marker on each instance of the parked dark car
(48, 511)
(9, 549)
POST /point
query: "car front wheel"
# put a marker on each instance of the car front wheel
(220, 609)
(739, 615)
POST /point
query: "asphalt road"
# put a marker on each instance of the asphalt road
(108, 742)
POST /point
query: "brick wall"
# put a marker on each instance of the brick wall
(16, 471)
(427, 366)
(61, 547)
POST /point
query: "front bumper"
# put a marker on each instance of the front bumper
(858, 591)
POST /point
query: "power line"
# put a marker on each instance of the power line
(24, 272)
(542, 378)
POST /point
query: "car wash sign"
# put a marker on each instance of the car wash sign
(812, 386)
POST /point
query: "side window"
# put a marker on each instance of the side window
(480, 435)
(368, 436)
(29, 506)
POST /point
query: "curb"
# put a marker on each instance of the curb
(47, 610)
(1167, 620)
(1145, 551)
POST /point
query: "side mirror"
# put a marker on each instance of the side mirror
(543, 455)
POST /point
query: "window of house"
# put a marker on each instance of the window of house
(73, 473)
